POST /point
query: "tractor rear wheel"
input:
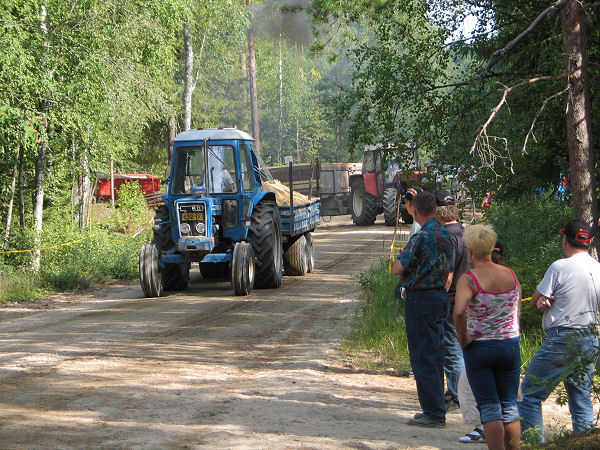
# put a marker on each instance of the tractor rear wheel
(364, 205)
(150, 278)
(295, 258)
(389, 206)
(242, 268)
(265, 236)
(175, 277)
(406, 217)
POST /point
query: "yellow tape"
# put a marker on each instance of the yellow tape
(4, 252)
(45, 248)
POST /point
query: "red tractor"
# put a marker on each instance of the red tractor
(374, 191)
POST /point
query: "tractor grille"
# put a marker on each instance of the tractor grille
(192, 219)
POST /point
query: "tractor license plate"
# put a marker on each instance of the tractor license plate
(186, 217)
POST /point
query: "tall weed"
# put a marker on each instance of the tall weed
(528, 228)
(88, 258)
(379, 321)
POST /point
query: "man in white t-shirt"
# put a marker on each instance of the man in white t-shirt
(568, 294)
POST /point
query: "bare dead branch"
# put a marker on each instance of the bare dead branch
(499, 54)
(482, 145)
(539, 113)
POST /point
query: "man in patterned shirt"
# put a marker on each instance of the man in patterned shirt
(424, 266)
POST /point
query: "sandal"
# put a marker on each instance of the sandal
(474, 436)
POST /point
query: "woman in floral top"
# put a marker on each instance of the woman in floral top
(486, 315)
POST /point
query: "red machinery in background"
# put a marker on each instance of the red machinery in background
(150, 184)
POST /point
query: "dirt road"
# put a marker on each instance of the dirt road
(202, 368)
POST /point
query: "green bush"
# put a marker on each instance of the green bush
(528, 228)
(18, 286)
(131, 209)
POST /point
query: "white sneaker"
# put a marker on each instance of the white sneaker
(474, 436)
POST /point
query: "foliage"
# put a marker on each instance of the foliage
(87, 259)
(414, 75)
(17, 286)
(379, 322)
(528, 228)
(131, 208)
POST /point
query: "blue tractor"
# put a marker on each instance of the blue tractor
(217, 213)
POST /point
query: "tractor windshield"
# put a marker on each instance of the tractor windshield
(189, 169)
(262, 169)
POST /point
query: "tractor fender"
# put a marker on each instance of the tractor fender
(258, 197)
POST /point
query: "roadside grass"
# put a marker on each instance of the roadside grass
(378, 339)
(18, 286)
(106, 250)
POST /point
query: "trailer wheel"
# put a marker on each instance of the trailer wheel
(150, 278)
(175, 277)
(389, 206)
(295, 260)
(214, 271)
(406, 217)
(242, 268)
(310, 254)
(265, 236)
(364, 205)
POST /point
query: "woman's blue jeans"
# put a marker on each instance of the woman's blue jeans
(424, 314)
(493, 368)
(563, 350)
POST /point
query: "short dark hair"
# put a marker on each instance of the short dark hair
(424, 203)
(447, 213)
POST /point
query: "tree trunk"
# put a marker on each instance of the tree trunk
(112, 182)
(172, 134)
(85, 189)
(40, 163)
(21, 182)
(188, 86)
(253, 91)
(279, 153)
(38, 209)
(11, 200)
(579, 136)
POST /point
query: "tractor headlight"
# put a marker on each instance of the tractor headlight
(200, 227)
(185, 228)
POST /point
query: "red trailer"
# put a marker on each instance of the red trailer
(150, 184)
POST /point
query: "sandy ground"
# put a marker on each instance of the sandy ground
(202, 368)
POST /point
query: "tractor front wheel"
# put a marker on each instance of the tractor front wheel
(150, 278)
(364, 205)
(389, 206)
(242, 268)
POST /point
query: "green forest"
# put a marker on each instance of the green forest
(507, 101)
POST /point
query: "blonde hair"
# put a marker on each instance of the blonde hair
(480, 239)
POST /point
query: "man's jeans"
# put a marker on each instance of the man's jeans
(453, 360)
(561, 350)
(424, 314)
